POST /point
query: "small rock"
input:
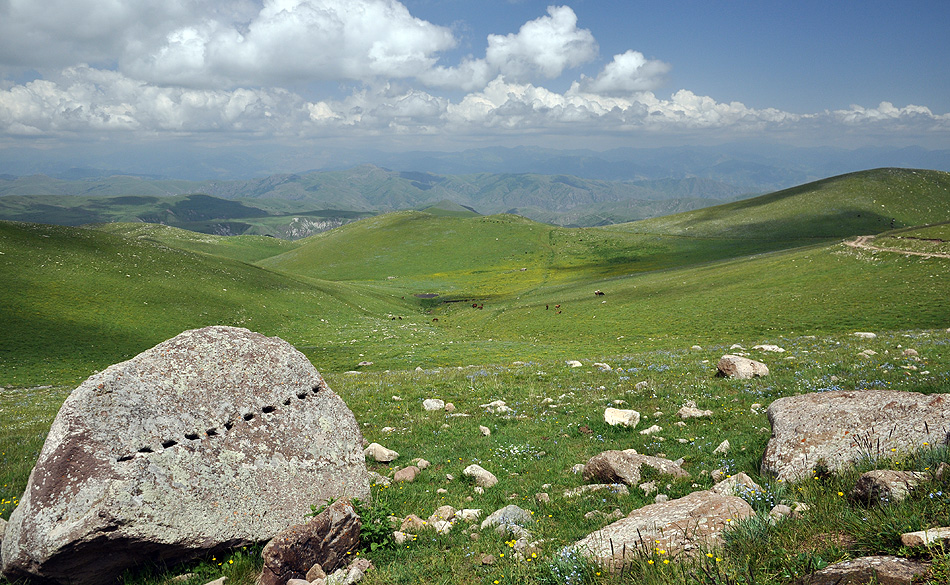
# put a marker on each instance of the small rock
(485, 431)
(468, 514)
(925, 537)
(542, 498)
(497, 407)
(648, 487)
(652, 430)
(660, 498)
(483, 478)
(508, 516)
(412, 522)
(406, 474)
(433, 404)
(441, 526)
(622, 417)
(577, 468)
(379, 453)
(402, 537)
(574, 364)
(865, 335)
(449, 407)
(316, 572)
(692, 412)
(733, 366)
(910, 353)
(697, 348)
(420, 463)
(487, 559)
(875, 569)
(365, 363)
(780, 511)
(443, 513)
(768, 347)
(617, 488)
(641, 385)
(886, 485)
(723, 448)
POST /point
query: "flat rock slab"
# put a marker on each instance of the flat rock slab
(674, 526)
(883, 570)
(216, 438)
(838, 428)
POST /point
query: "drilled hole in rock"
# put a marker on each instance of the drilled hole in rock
(211, 432)
(301, 395)
(145, 450)
(169, 443)
(249, 416)
(124, 458)
(287, 402)
(316, 389)
(268, 409)
(228, 425)
(192, 436)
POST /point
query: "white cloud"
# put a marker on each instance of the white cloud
(629, 72)
(543, 48)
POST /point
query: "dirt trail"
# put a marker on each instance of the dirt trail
(862, 243)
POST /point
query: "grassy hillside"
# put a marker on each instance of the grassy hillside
(868, 202)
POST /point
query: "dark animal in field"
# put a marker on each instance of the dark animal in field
(598, 293)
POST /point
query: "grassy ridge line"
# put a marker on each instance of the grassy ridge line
(866, 202)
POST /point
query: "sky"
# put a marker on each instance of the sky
(456, 74)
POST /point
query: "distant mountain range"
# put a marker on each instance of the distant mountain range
(365, 189)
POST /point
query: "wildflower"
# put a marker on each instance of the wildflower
(840, 493)
(666, 561)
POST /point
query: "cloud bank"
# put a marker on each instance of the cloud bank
(246, 68)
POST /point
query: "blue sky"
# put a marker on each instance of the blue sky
(452, 74)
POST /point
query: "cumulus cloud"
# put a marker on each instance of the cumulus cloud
(629, 72)
(543, 48)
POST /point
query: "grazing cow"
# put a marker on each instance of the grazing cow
(598, 293)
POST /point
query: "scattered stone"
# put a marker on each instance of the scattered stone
(925, 537)
(574, 364)
(910, 353)
(497, 407)
(406, 474)
(617, 416)
(483, 478)
(688, 523)
(780, 511)
(211, 421)
(603, 367)
(387, 430)
(648, 487)
(769, 347)
(316, 572)
(433, 404)
(487, 559)
(886, 570)
(692, 412)
(443, 513)
(723, 448)
(737, 485)
(867, 353)
(886, 485)
(468, 514)
(402, 537)
(441, 526)
(652, 430)
(325, 540)
(840, 427)
(865, 335)
(377, 479)
(624, 467)
(412, 522)
(380, 454)
(660, 498)
(365, 363)
(449, 407)
(485, 431)
(736, 346)
(420, 463)
(507, 517)
(577, 468)
(617, 488)
(441, 491)
(697, 348)
(542, 498)
(641, 385)
(733, 366)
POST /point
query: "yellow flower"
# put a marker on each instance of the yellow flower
(666, 561)
(650, 562)
(840, 493)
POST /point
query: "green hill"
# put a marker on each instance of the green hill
(867, 202)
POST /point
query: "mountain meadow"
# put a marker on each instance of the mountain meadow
(396, 308)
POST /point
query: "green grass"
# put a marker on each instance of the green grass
(76, 300)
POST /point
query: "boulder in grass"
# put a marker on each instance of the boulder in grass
(219, 437)
(612, 467)
(885, 570)
(621, 417)
(835, 429)
(735, 366)
(689, 524)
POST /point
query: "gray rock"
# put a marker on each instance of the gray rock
(406, 474)
(483, 478)
(508, 516)
(617, 488)
(380, 454)
(688, 523)
(926, 537)
(622, 417)
(325, 540)
(150, 458)
(692, 412)
(433, 404)
(734, 366)
(885, 570)
(737, 485)
(886, 485)
(865, 335)
(840, 427)
(316, 572)
(624, 467)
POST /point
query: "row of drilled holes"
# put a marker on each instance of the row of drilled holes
(213, 432)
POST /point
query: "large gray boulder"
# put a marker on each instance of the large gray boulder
(837, 428)
(219, 437)
(684, 525)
